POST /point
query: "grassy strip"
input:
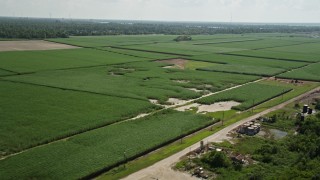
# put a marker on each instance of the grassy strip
(152, 158)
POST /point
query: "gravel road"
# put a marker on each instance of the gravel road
(162, 169)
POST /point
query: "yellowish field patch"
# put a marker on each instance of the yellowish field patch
(32, 45)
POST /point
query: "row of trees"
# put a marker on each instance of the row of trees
(32, 28)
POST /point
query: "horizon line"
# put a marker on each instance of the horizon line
(173, 21)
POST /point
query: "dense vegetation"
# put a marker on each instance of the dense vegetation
(295, 156)
(31, 28)
(61, 59)
(245, 69)
(88, 92)
(278, 55)
(32, 115)
(147, 80)
(103, 148)
(249, 95)
(311, 73)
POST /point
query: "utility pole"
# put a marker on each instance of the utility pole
(125, 159)
(222, 117)
(181, 135)
(252, 106)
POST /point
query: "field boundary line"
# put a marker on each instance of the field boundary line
(300, 43)
(265, 57)
(199, 44)
(118, 122)
(74, 90)
(303, 79)
(241, 73)
(71, 68)
(125, 48)
(8, 70)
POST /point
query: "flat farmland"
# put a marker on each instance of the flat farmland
(309, 73)
(102, 41)
(33, 61)
(32, 115)
(245, 69)
(247, 65)
(248, 61)
(122, 40)
(260, 44)
(32, 45)
(180, 48)
(5, 72)
(268, 53)
(102, 148)
(147, 80)
(248, 95)
(156, 56)
(308, 48)
(76, 113)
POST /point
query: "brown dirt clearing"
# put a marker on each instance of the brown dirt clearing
(176, 63)
(32, 45)
(219, 106)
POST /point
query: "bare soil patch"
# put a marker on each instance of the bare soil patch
(219, 106)
(175, 63)
(195, 90)
(175, 102)
(32, 45)
(181, 81)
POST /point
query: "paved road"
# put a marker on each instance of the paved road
(162, 169)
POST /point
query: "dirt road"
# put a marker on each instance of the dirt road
(162, 169)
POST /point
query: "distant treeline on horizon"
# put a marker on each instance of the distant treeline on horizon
(41, 28)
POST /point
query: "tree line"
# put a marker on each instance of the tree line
(35, 28)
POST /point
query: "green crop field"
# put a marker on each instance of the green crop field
(122, 40)
(311, 73)
(32, 115)
(266, 53)
(147, 80)
(138, 53)
(31, 61)
(181, 48)
(247, 65)
(248, 95)
(5, 72)
(220, 40)
(243, 69)
(307, 48)
(260, 44)
(248, 61)
(90, 152)
(101, 41)
(69, 113)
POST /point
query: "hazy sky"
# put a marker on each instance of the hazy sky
(169, 10)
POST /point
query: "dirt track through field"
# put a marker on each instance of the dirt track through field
(134, 118)
(163, 170)
(32, 45)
